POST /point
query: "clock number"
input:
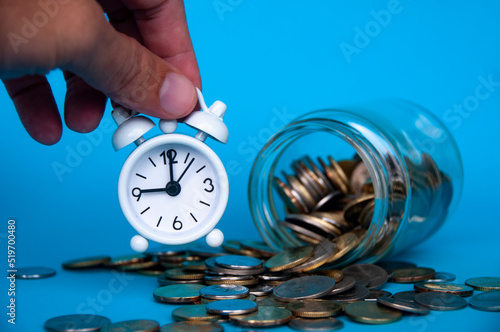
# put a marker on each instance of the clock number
(136, 192)
(209, 180)
(169, 155)
(178, 223)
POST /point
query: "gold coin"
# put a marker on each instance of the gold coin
(137, 266)
(84, 263)
(484, 283)
(290, 198)
(249, 282)
(347, 166)
(322, 254)
(344, 244)
(371, 313)
(411, 274)
(444, 287)
(194, 312)
(127, 259)
(265, 316)
(194, 265)
(190, 326)
(289, 258)
(314, 308)
(181, 274)
(353, 209)
(181, 293)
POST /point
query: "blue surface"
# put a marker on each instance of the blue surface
(269, 62)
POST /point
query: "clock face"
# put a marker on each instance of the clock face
(173, 190)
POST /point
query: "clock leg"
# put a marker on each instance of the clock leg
(215, 238)
(139, 244)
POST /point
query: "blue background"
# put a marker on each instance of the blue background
(268, 61)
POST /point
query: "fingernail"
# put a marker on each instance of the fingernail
(177, 94)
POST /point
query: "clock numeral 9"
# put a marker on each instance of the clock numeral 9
(209, 180)
(136, 192)
(177, 225)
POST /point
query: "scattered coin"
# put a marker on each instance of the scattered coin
(222, 292)
(181, 274)
(289, 258)
(377, 276)
(322, 254)
(248, 297)
(444, 287)
(74, 323)
(375, 294)
(314, 308)
(406, 295)
(371, 313)
(403, 305)
(137, 266)
(34, 272)
(484, 283)
(86, 262)
(270, 301)
(182, 293)
(265, 316)
(440, 301)
(238, 262)
(392, 265)
(411, 274)
(212, 266)
(337, 275)
(261, 290)
(194, 312)
(303, 288)
(127, 259)
(354, 294)
(137, 325)
(343, 285)
(231, 307)
(192, 327)
(164, 281)
(261, 248)
(442, 277)
(321, 324)
(488, 301)
(360, 279)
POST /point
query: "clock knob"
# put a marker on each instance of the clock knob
(215, 238)
(209, 120)
(130, 128)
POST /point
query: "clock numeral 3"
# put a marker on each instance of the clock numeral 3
(209, 180)
(177, 225)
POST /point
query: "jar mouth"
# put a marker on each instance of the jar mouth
(382, 162)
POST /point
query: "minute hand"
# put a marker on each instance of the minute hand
(185, 170)
(155, 190)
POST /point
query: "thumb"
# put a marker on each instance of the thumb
(134, 77)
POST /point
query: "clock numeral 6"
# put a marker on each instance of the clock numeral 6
(177, 225)
(209, 180)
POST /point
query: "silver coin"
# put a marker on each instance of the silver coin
(271, 277)
(442, 277)
(238, 262)
(76, 323)
(487, 301)
(34, 272)
(310, 287)
(406, 296)
(210, 263)
(343, 285)
(222, 292)
(375, 294)
(377, 275)
(231, 307)
(206, 251)
(261, 290)
(440, 301)
(164, 281)
(361, 279)
(354, 294)
(403, 305)
(315, 324)
(229, 278)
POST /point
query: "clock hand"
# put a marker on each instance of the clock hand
(185, 170)
(171, 161)
(155, 190)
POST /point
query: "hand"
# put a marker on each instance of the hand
(137, 59)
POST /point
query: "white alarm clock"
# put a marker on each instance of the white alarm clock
(173, 189)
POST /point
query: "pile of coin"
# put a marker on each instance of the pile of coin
(257, 287)
(331, 199)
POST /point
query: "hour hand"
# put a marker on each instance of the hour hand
(137, 192)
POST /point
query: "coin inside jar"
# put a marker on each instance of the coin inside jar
(289, 258)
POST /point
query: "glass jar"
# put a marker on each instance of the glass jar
(413, 163)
